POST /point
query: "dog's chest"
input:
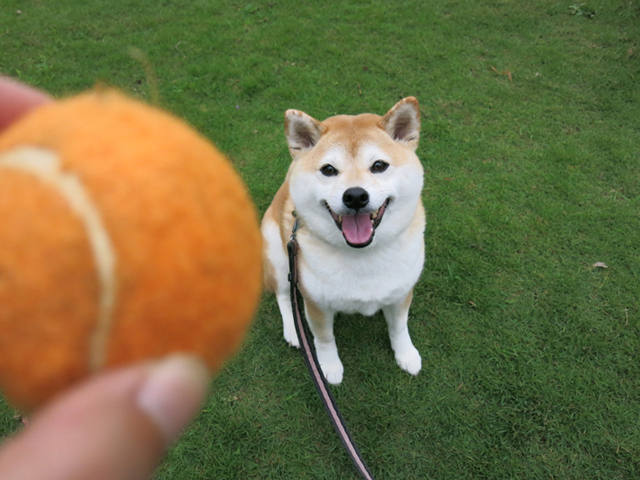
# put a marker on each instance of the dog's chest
(360, 281)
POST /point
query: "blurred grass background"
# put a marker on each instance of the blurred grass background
(530, 142)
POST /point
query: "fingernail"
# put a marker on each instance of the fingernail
(173, 392)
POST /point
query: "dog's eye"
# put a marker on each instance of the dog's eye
(379, 166)
(329, 171)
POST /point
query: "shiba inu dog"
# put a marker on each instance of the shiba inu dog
(355, 186)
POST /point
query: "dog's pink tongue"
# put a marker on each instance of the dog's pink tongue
(357, 228)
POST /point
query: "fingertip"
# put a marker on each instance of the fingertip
(173, 392)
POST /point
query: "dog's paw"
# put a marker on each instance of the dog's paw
(410, 361)
(292, 338)
(290, 334)
(333, 372)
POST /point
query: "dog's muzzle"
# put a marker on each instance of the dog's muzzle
(358, 228)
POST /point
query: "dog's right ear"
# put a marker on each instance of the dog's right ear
(402, 122)
(302, 132)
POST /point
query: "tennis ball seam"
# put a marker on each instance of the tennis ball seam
(47, 167)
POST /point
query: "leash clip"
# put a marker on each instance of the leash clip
(292, 249)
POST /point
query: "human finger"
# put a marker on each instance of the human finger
(114, 427)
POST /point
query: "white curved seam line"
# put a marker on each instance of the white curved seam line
(46, 166)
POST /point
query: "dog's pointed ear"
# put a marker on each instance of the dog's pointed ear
(302, 131)
(402, 122)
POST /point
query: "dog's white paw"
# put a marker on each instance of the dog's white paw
(329, 360)
(291, 336)
(410, 361)
(333, 371)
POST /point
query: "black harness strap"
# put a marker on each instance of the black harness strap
(314, 367)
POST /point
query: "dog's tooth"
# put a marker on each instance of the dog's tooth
(340, 218)
(374, 215)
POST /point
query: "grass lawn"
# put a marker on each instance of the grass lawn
(531, 148)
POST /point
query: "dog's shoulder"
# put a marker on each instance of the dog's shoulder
(280, 212)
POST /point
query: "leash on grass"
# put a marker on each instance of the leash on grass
(314, 367)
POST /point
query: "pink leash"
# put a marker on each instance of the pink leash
(314, 367)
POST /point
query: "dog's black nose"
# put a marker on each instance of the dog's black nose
(355, 198)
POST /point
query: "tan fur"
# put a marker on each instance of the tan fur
(408, 300)
(280, 211)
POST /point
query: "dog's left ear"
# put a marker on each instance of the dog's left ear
(402, 122)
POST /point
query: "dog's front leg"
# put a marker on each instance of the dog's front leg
(288, 323)
(321, 324)
(407, 356)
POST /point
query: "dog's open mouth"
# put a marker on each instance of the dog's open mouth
(358, 229)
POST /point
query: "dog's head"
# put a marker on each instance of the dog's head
(356, 178)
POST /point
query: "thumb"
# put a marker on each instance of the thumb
(113, 427)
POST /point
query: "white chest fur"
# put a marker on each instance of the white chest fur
(360, 280)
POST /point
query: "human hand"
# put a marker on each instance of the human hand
(114, 426)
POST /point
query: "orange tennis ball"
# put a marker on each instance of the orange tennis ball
(124, 235)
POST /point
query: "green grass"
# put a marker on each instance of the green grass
(529, 353)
